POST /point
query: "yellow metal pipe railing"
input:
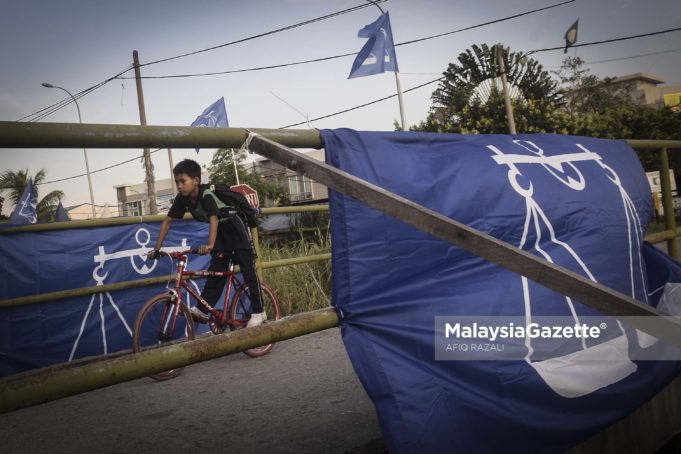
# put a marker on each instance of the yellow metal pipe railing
(21, 135)
(86, 291)
(54, 382)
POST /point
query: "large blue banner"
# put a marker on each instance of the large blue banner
(581, 203)
(37, 335)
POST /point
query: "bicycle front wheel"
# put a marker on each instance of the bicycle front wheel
(161, 321)
(240, 312)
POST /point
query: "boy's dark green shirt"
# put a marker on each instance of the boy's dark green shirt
(208, 204)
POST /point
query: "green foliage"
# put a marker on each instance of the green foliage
(303, 287)
(13, 184)
(583, 92)
(2, 216)
(221, 169)
(578, 103)
(470, 99)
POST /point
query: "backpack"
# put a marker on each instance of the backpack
(233, 199)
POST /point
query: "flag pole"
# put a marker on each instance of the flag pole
(403, 117)
(507, 96)
(400, 99)
(236, 171)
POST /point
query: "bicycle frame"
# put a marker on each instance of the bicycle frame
(155, 324)
(233, 283)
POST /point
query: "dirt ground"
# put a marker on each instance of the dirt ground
(302, 397)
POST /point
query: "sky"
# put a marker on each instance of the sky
(76, 44)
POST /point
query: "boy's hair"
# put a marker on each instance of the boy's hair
(189, 167)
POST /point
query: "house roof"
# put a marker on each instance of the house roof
(643, 77)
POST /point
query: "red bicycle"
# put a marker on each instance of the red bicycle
(165, 318)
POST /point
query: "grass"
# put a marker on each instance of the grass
(303, 287)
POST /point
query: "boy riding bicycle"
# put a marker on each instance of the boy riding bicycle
(227, 236)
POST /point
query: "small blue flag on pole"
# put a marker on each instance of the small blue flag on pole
(25, 212)
(378, 54)
(214, 116)
(61, 214)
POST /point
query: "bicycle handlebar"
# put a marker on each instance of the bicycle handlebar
(178, 254)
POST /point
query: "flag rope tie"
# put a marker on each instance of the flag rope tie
(247, 143)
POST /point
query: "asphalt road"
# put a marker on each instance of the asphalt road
(302, 397)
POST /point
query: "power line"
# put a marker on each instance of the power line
(51, 109)
(633, 56)
(406, 91)
(98, 170)
(260, 35)
(333, 57)
(515, 16)
(431, 82)
(528, 53)
(624, 38)
(363, 105)
(283, 127)
(39, 115)
(233, 71)
(629, 57)
(44, 112)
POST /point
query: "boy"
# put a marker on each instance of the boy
(227, 235)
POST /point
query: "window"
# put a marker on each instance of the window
(133, 208)
(300, 188)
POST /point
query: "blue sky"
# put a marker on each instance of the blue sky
(78, 43)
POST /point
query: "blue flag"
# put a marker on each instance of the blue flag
(557, 197)
(214, 116)
(61, 214)
(41, 334)
(378, 54)
(25, 211)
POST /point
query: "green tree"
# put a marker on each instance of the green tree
(601, 108)
(13, 184)
(2, 216)
(583, 92)
(271, 192)
(470, 98)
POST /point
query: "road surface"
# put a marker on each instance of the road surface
(302, 397)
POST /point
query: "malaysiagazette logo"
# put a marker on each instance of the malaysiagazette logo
(492, 333)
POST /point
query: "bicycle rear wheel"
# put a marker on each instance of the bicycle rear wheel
(157, 324)
(240, 312)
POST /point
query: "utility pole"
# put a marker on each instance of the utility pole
(148, 165)
(172, 176)
(507, 96)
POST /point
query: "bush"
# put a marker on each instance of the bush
(304, 287)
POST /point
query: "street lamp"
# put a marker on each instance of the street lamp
(87, 164)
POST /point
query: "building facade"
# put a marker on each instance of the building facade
(301, 189)
(84, 211)
(645, 90)
(133, 199)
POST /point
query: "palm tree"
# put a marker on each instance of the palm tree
(13, 184)
(474, 81)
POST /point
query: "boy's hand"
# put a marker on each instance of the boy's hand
(153, 254)
(203, 250)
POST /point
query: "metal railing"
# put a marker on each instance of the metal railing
(137, 283)
(62, 380)
(670, 234)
